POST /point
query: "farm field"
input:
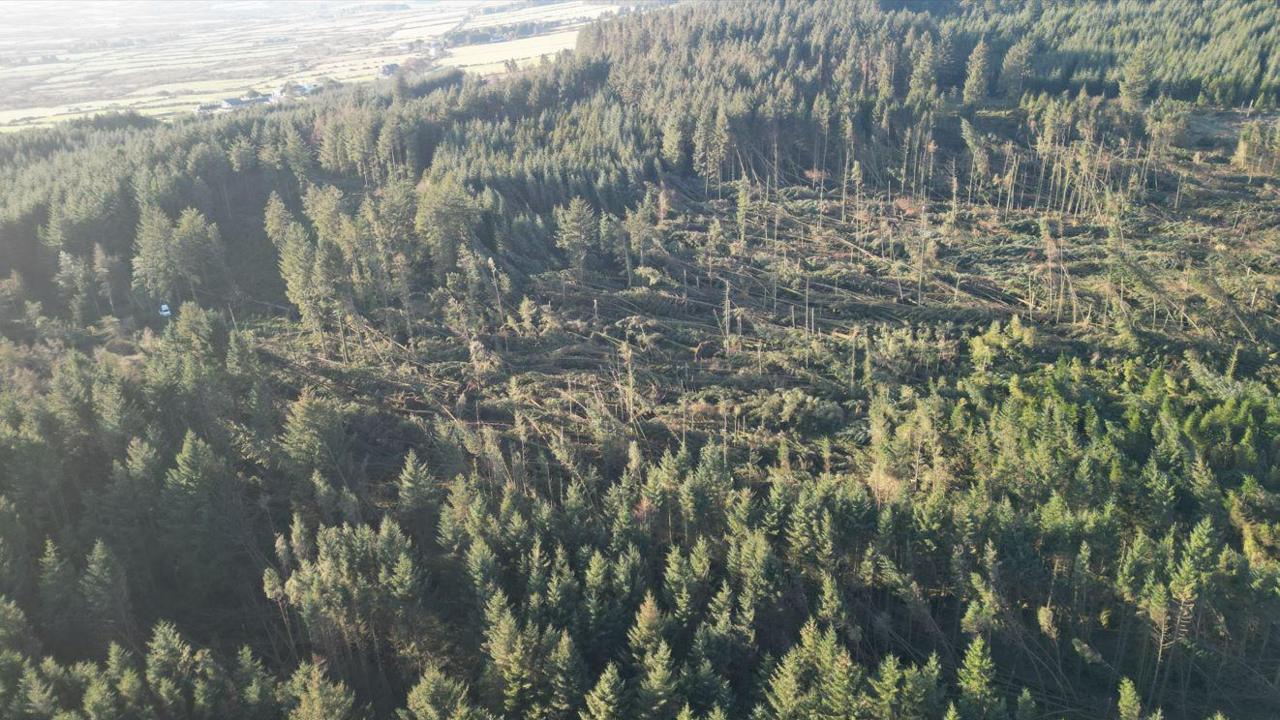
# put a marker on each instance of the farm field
(72, 59)
(491, 58)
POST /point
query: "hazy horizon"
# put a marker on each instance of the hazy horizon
(73, 57)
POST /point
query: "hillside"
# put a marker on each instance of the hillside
(756, 360)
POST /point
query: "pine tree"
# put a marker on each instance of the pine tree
(1129, 706)
(657, 696)
(838, 678)
(1015, 69)
(79, 285)
(106, 594)
(607, 236)
(184, 681)
(884, 689)
(720, 143)
(922, 691)
(566, 672)
(704, 687)
(979, 699)
(605, 701)
(194, 518)
(576, 232)
(318, 698)
(831, 611)
(16, 633)
(439, 697)
(922, 90)
(512, 656)
(647, 629)
(978, 76)
(702, 144)
(192, 258)
(255, 686)
(155, 267)
(38, 696)
(1136, 79)
(100, 701)
(786, 695)
(673, 142)
(297, 263)
(1026, 708)
(59, 614)
(415, 489)
(446, 220)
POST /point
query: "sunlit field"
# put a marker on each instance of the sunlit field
(73, 59)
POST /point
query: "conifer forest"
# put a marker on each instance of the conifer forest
(773, 360)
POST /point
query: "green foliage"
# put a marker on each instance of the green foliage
(439, 697)
(174, 261)
(576, 228)
(949, 407)
(979, 698)
(1136, 79)
(605, 701)
(1016, 68)
(977, 81)
(318, 698)
(445, 220)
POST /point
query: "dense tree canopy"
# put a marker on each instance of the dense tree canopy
(755, 360)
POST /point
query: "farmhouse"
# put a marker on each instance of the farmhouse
(231, 103)
(292, 89)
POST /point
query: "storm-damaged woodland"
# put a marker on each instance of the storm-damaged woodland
(774, 360)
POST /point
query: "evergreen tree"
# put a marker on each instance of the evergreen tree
(439, 697)
(512, 656)
(1129, 706)
(979, 698)
(446, 220)
(1026, 708)
(885, 689)
(184, 681)
(566, 673)
(16, 633)
(657, 695)
(575, 232)
(923, 87)
(1016, 68)
(1127, 500)
(106, 595)
(673, 141)
(155, 265)
(60, 609)
(318, 698)
(605, 701)
(977, 78)
(415, 489)
(174, 259)
(1136, 79)
(194, 517)
(255, 686)
(647, 630)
